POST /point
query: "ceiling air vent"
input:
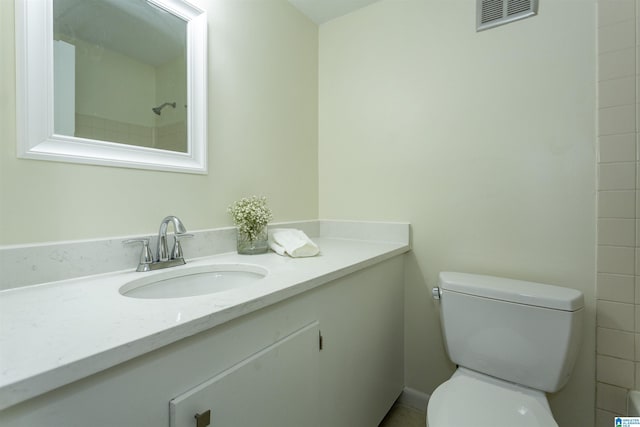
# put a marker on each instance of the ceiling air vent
(492, 13)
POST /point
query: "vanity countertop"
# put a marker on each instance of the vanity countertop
(56, 333)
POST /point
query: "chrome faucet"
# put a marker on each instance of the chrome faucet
(162, 251)
(163, 259)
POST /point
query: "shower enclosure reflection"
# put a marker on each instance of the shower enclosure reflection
(117, 65)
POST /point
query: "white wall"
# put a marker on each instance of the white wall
(483, 141)
(262, 113)
(114, 86)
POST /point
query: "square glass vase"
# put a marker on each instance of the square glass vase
(248, 246)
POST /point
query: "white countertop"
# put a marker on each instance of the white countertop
(59, 332)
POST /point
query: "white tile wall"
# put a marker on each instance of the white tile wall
(616, 287)
(617, 176)
(618, 293)
(611, 398)
(612, 12)
(167, 137)
(617, 92)
(616, 315)
(617, 204)
(617, 232)
(618, 119)
(615, 371)
(616, 343)
(618, 63)
(605, 418)
(617, 148)
(616, 260)
(617, 36)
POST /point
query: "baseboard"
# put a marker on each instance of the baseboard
(414, 399)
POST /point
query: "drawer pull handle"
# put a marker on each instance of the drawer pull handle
(203, 419)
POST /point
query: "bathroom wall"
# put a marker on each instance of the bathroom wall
(171, 125)
(484, 142)
(262, 114)
(115, 95)
(618, 281)
(114, 86)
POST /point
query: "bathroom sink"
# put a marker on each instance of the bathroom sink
(193, 281)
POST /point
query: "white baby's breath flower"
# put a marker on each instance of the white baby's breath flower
(250, 215)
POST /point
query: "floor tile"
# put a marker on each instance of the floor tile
(404, 416)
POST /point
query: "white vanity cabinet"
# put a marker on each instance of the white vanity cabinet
(361, 363)
(265, 368)
(274, 387)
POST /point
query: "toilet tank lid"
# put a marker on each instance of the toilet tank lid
(516, 291)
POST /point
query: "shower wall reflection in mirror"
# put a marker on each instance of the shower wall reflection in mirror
(120, 73)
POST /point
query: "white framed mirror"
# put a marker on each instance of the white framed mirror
(113, 83)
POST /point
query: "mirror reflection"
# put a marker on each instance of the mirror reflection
(120, 73)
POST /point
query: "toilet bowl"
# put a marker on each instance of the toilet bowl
(472, 399)
(513, 341)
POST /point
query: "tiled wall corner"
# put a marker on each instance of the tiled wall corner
(167, 137)
(618, 282)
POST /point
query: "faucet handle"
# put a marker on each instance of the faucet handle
(146, 257)
(176, 252)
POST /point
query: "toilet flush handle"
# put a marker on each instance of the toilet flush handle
(436, 293)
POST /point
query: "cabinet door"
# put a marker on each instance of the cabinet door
(362, 357)
(276, 387)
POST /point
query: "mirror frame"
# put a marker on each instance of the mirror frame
(34, 98)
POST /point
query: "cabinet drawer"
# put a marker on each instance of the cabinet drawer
(276, 386)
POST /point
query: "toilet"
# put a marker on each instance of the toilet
(513, 341)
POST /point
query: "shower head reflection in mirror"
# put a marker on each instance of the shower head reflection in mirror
(159, 108)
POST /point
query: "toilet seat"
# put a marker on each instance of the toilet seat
(473, 399)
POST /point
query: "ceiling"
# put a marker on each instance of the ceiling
(151, 35)
(135, 28)
(321, 11)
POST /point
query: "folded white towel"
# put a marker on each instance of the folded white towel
(292, 242)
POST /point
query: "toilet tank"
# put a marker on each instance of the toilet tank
(523, 332)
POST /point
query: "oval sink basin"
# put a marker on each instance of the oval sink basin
(189, 282)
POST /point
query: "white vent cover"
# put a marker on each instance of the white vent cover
(492, 13)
